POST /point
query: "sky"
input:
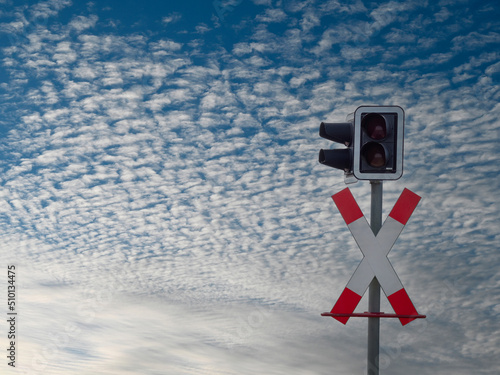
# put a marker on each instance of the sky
(163, 204)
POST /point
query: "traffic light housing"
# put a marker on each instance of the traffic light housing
(378, 142)
(341, 133)
(374, 141)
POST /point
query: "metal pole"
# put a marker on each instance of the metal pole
(374, 290)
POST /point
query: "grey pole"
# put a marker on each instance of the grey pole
(374, 290)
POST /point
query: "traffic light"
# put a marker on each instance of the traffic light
(378, 143)
(341, 133)
(374, 141)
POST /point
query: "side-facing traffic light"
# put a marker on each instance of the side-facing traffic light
(374, 141)
(341, 133)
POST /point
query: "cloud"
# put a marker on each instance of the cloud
(177, 188)
(475, 40)
(230, 338)
(81, 23)
(273, 15)
(48, 8)
(172, 18)
(389, 12)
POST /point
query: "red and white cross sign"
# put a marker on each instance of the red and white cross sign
(375, 250)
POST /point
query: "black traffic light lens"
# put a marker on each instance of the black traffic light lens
(375, 126)
(374, 154)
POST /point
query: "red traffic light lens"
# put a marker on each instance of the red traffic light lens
(374, 154)
(375, 126)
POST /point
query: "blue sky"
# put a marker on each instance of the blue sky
(161, 197)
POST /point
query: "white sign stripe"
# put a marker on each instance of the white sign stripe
(361, 278)
(388, 234)
(375, 256)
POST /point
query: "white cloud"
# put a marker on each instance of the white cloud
(186, 182)
(172, 18)
(81, 23)
(338, 36)
(475, 40)
(272, 15)
(48, 8)
(493, 69)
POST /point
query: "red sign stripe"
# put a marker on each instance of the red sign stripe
(402, 305)
(346, 304)
(347, 206)
(405, 206)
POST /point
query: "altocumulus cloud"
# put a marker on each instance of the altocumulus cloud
(161, 197)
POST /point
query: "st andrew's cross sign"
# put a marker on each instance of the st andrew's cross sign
(375, 249)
